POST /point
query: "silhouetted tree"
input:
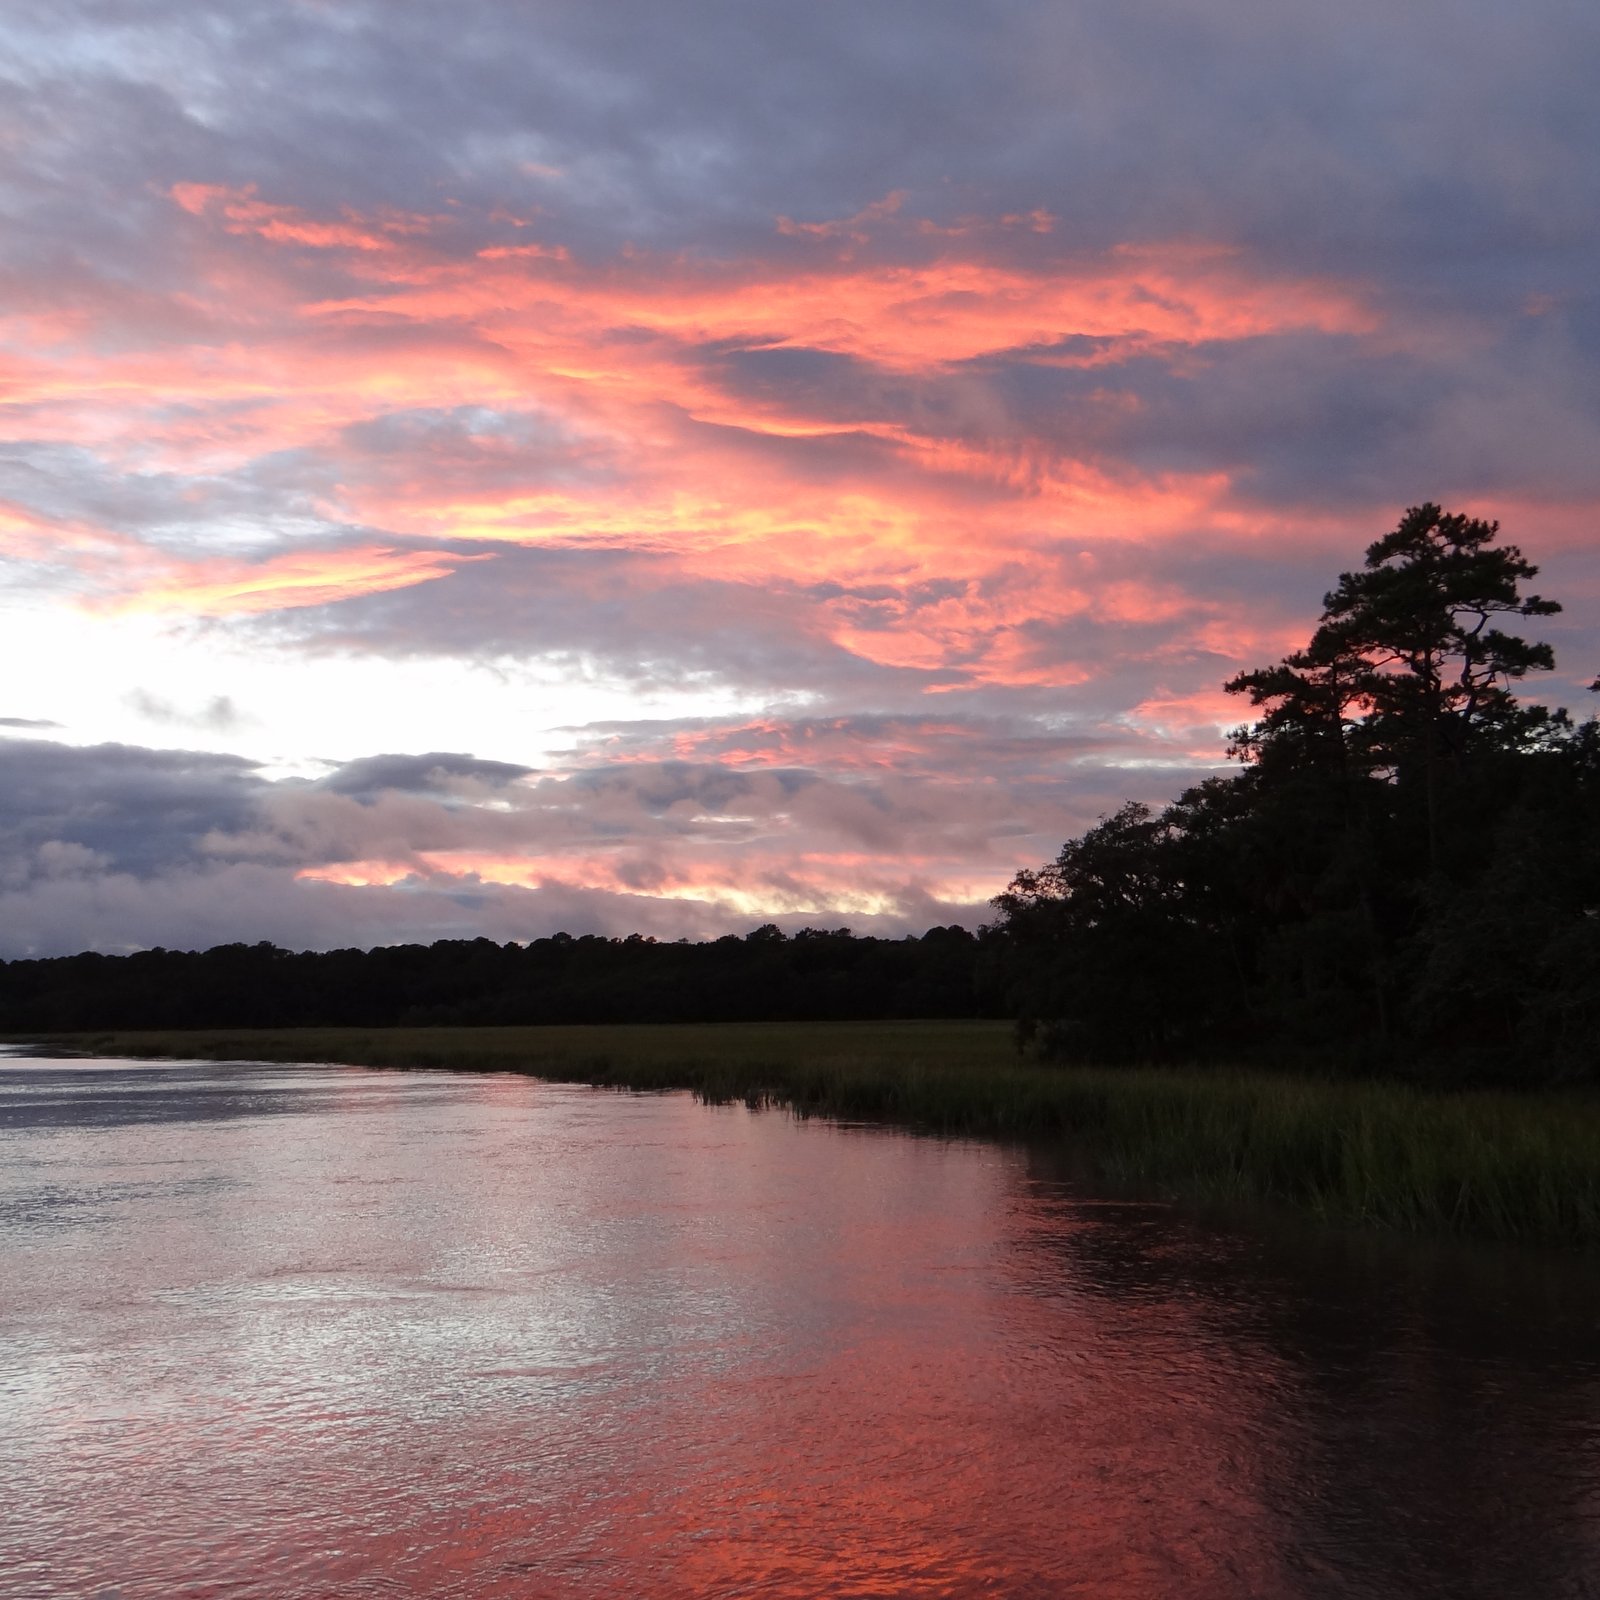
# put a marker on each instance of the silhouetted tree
(1406, 673)
(1406, 871)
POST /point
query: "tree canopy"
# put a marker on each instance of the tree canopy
(1405, 872)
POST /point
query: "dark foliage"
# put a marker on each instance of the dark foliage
(816, 975)
(1406, 872)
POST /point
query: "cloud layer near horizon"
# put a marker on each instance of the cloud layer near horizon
(815, 458)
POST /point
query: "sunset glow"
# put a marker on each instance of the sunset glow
(796, 520)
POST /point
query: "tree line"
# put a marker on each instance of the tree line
(1404, 873)
(816, 974)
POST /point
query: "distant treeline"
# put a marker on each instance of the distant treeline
(1404, 874)
(814, 975)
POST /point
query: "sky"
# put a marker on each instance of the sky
(486, 468)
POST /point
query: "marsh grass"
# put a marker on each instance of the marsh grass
(1495, 1165)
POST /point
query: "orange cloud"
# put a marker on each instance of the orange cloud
(243, 213)
(907, 317)
(721, 480)
(779, 883)
(28, 535)
(220, 588)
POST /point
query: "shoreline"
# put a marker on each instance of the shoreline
(1370, 1153)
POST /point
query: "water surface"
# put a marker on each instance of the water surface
(314, 1331)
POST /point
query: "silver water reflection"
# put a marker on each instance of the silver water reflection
(315, 1331)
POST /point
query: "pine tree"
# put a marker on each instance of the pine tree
(1406, 674)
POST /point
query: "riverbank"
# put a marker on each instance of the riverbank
(1492, 1165)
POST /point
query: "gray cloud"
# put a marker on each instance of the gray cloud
(217, 715)
(115, 846)
(243, 902)
(254, 508)
(117, 807)
(635, 617)
(1435, 137)
(438, 773)
(474, 448)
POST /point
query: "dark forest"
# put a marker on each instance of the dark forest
(814, 975)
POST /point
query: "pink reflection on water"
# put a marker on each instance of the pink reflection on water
(309, 1332)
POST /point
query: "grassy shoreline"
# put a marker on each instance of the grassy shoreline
(1488, 1164)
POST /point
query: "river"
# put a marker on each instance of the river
(320, 1331)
